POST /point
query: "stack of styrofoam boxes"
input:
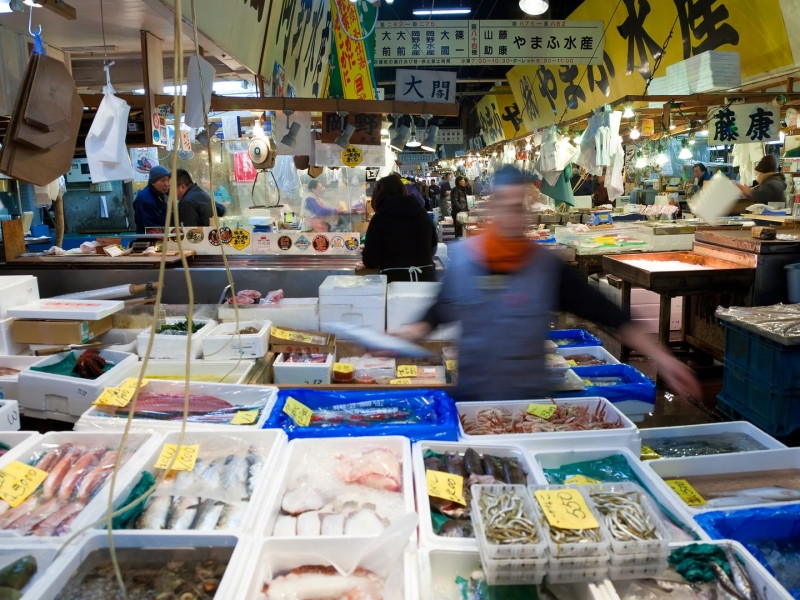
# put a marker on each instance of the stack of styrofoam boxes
(408, 301)
(706, 72)
(645, 306)
(15, 290)
(353, 299)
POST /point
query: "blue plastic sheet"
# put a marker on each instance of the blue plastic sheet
(755, 528)
(417, 414)
(635, 386)
(573, 338)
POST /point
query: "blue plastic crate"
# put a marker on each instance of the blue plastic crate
(434, 414)
(774, 409)
(762, 359)
(573, 338)
(636, 386)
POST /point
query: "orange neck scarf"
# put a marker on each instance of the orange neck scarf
(503, 254)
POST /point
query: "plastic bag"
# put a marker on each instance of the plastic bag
(106, 151)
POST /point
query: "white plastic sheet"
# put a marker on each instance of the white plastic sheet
(106, 151)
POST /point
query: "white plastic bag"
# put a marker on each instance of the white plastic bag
(199, 82)
(106, 151)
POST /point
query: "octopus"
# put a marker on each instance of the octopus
(90, 364)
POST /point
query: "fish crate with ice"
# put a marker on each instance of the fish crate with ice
(446, 524)
(770, 364)
(730, 437)
(573, 338)
(616, 383)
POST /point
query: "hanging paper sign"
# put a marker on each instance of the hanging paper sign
(648, 127)
(743, 123)
(243, 169)
(418, 85)
(18, 481)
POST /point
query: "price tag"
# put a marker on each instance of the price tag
(343, 367)
(451, 365)
(648, 453)
(587, 382)
(406, 370)
(685, 490)
(543, 411)
(580, 480)
(400, 381)
(245, 417)
(18, 481)
(571, 363)
(299, 412)
(292, 336)
(446, 486)
(566, 509)
(187, 456)
(119, 396)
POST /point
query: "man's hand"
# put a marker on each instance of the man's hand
(414, 332)
(680, 378)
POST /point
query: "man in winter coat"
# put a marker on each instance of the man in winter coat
(150, 204)
(771, 184)
(458, 203)
(194, 208)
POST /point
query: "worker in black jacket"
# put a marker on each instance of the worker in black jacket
(458, 203)
(194, 206)
(401, 238)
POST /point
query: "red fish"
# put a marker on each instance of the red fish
(59, 471)
(49, 525)
(173, 403)
(24, 524)
(12, 514)
(78, 471)
(50, 458)
(94, 479)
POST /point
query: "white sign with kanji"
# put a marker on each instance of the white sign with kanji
(417, 85)
(743, 123)
(450, 136)
(474, 42)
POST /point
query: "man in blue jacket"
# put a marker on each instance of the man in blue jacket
(150, 204)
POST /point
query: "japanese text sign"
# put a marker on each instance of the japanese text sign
(417, 85)
(499, 118)
(465, 42)
(743, 123)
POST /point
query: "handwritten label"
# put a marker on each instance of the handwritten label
(446, 486)
(345, 368)
(298, 411)
(543, 411)
(245, 417)
(566, 509)
(580, 480)
(451, 365)
(406, 371)
(119, 396)
(648, 453)
(187, 456)
(292, 336)
(400, 381)
(685, 490)
(18, 481)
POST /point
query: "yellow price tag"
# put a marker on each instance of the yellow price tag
(292, 336)
(299, 412)
(406, 370)
(446, 486)
(580, 480)
(245, 417)
(571, 363)
(119, 396)
(587, 382)
(451, 365)
(18, 481)
(400, 381)
(343, 367)
(566, 509)
(187, 456)
(543, 411)
(648, 453)
(685, 490)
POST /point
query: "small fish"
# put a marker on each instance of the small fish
(59, 471)
(473, 462)
(94, 479)
(183, 512)
(233, 515)
(155, 513)
(491, 468)
(255, 463)
(17, 512)
(740, 579)
(78, 471)
(46, 462)
(208, 514)
(234, 476)
(512, 471)
(433, 463)
(48, 526)
(725, 582)
(454, 463)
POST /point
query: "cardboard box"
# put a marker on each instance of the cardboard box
(296, 340)
(39, 331)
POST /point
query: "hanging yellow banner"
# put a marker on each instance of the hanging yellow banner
(499, 118)
(354, 58)
(634, 36)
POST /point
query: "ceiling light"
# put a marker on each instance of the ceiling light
(413, 142)
(433, 12)
(528, 146)
(384, 132)
(685, 153)
(343, 141)
(628, 113)
(534, 7)
(641, 161)
(389, 1)
(662, 159)
(290, 139)
(399, 141)
(671, 123)
(634, 133)
(691, 140)
(430, 139)
(703, 132)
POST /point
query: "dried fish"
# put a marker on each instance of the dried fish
(505, 518)
(624, 515)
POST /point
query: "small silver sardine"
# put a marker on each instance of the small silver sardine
(234, 477)
(183, 512)
(255, 462)
(208, 514)
(232, 516)
(155, 513)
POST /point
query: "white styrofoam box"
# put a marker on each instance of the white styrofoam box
(70, 396)
(44, 553)
(8, 383)
(246, 396)
(67, 308)
(294, 313)
(269, 444)
(139, 444)
(17, 290)
(759, 461)
(763, 582)
(9, 415)
(291, 474)
(18, 442)
(224, 343)
(595, 351)
(408, 301)
(692, 432)
(201, 371)
(427, 535)
(667, 503)
(302, 373)
(7, 344)
(174, 346)
(79, 552)
(358, 300)
(626, 436)
(271, 557)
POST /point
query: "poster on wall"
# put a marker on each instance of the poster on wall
(143, 159)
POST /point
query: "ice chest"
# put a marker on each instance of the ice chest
(174, 346)
(17, 290)
(8, 383)
(358, 300)
(302, 373)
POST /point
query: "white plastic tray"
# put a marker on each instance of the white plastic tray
(139, 444)
(495, 551)
(747, 462)
(75, 554)
(19, 442)
(427, 536)
(9, 383)
(596, 351)
(694, 431)
(298, 449)
(174, 346)
(223, 343)
(202, 371)
(626, 436)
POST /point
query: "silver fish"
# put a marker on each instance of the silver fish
(725, 582)
(232, 515)
(774, 493)
(234, 477)
(183, 512)
(155, 513)
(255, 462)
(210, 478)
(184, 480)
(740, 579)
(208, 514)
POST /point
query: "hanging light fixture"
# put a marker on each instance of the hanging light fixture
(528, 145)
(662, 157)
(413, 142)
(685, 153)
(628, 112)
(671, 122)
(634, 133)
(641, 160)
(691, 140)
(401, 138)
(534, 7)
(430, 139)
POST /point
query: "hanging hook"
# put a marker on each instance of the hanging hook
(30, 21)
(107, 69)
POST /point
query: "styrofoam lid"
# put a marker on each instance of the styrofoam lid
(414, 288)
(67, 308)
(353, 285)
